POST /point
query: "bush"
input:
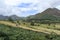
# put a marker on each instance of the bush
(32, 23)
(51, 36)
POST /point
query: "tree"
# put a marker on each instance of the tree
(18, 22)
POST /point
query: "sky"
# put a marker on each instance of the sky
(25, 8)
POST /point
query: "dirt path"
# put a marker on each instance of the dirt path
(44, 30)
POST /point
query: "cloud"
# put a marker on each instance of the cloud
(26, 7)
(28, 12)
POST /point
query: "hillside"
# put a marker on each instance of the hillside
(50, 13)
(10, 32)
(33, 28)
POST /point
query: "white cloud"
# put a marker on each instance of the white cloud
(9, 7)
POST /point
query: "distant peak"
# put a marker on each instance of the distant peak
(52, 9)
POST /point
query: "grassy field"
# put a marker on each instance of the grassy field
(13, 33)
(51, 26)
(33, 28)
(9, 31)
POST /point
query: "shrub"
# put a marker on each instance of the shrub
(32, 23)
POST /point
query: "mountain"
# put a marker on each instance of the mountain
(50, 13)
(3, 17)
(13, 17)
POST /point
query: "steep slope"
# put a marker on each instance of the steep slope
(50, 13)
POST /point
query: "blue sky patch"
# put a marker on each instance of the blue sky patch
(24, 5)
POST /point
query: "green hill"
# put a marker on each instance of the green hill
(52, 14)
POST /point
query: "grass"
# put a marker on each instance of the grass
(52, 26)
(22, 34)
(33, 28)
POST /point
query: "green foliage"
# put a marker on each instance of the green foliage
(52, 36)
(32, 24)
(18, 22)
(22, 34)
